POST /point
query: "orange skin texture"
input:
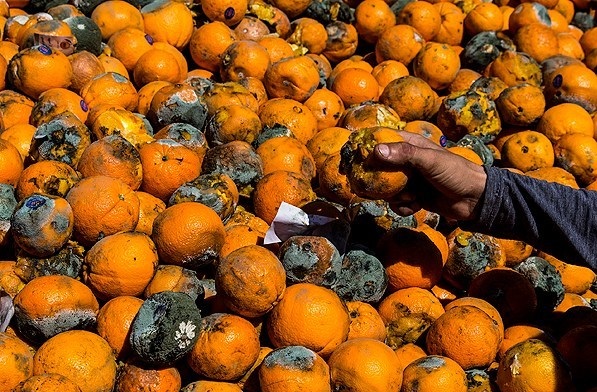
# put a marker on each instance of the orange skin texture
(121, 264)
(114, 321)
(149, 208)
(251, 280)
(17, 361)
(82, 356)
(111, 88)
(170, 22)
(11, 163)
(51, 382)
(227, 347)
(102, 206)
(295, 78)
(365, 322)
(311, 316)
(132, 375)
(431, 372)
(57, 100)
(292, 114)
(286, 153)
(327, 142)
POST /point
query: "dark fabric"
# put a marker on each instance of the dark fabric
(555, 218)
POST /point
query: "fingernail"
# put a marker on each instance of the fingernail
(383, 150)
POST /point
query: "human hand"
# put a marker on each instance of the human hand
(441, 182)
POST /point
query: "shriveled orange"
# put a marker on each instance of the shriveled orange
(309, 315)
(86, 65)
(365, 322)
(169, 21)
(413, 257)
(334, 185)
(364, 364)
(372, 17)
(11, 163)
(277, 48)
(410, 97)
(128, 45)
(102, 206)
(434, 372)
(527, 13)
(166, 166)
(277, 187)
(291, 114)
(533, 365)
(113, 15)
(82, 356)
(327, 142)
(15, 108)
(251, 280)
(576, 279)
(208, 43)
(17, 361)
(573, 83)
(189, 234)
(149, 207)
(110, 88)
(170, 277)
(308, 33)
(146, 94)
(233, 122)
(401, 42)
(537, 40)
(121, 264)
(26, 68)
(114, 322)
(292, 369)
(568, 45)
(294, 77)
(227, 347)
(451, 30)
(521, 105)
(326, 106)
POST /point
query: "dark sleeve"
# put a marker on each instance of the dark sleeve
(551, 217)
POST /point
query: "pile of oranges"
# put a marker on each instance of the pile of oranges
(147, 146)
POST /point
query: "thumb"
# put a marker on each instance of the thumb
(405, 154)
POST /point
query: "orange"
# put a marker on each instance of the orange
(401, 42)
(46, 177)
(327, 142)
(573, 83)
(413, 257)
(521, 105)
(121, 264)
(432, 373)
(277, 48)
(82, 356)
(110, 88)
(471, 348)
(149, 207)
(111, 64)
(55, 101)
(308, 33)
(15, 108)
(528, 150)
(227, 347)
(565, 118)
(294, 77)
(243, 59)
(372, 17)
(277, 187)
(326, 106)
(11, 163)
(365, 322)
(451, 30)
(136, 373)
(49, 382)
(42, 224)
(483, 17)
(355, 85)
(112, 156)
(146, 94)
(410, 97)
(574, 152)
(157, 65)
(519, 333)
(16, 357)
(575, 278)
(421, 15)
(388, 70)
(102, 206)
(229, 12)
(311, 316)
(233, 122)
(437, 64)
(189, 234)
(291, 114)
(533, 365)
(114, 321)
(209, 386)
(464, 79)
(527, 13)
(251, 280)
(537, 40)
(364, 364)
(407, 354)
(292, 369)
(208, 43)
(286, 153)
(169, 21)
(25, 70)
(19, 135)
(166, 166)
(113, 15)
(128, 45)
